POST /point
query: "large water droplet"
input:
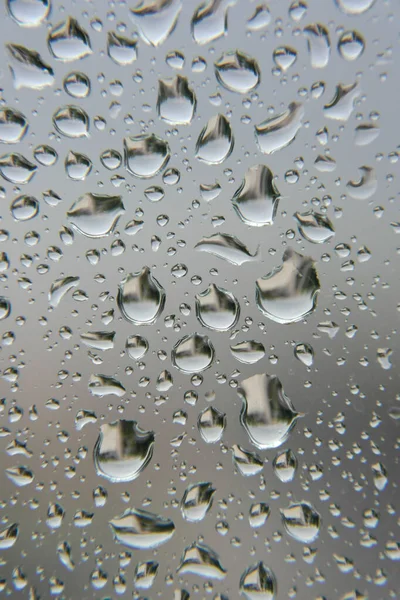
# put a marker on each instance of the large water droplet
(365, 187)
(9, 536)
(248, 463)
(29, 13)
(314, 227)
(141, 530)
(260, 18)
(351, 45)
(217, 309)
(77, 85)
(248, 352)
(365, 134)
(77, 166)
(136, 346)
(284, 57)
(237, 72)
(342, 104)
(285, 466)
(289, 292)
(20, 476)
(210, 20)
(227, 247)
(103, 385)
(197, 501)
(145, 574)
(71, 121)
(145, 155)
(122, 50)
(256, 200)
(199, 559)
(68, 41)
(13, 126)
(193, 353)
(64, 555)
(319, 45)
(156, 19)
(141, 298)
(17, 169)
(45, 155)
(301, 521)
(211, 424)
(122, 451)
(210, 191)
(24, 208)
(5, 308)
(267, 415)
(60, 287)
(28, 69)
(258, 514)
(99, 340)
(215, 142)
(258, 583)
(176, 102)
(95, 215)
(278, 132)
(354, 7)
(304, 353)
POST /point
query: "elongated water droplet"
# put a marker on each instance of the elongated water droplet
(55, 516)
(215, 142)
(210, 191)
(210, 20)
(319, 45)
(9, 536)
(301, 521)
(20, 476)
(68, 41)
(285, 466)
(351, 45)
(217, 309)
(304, 353)
(24, 208)
(199, 559)
(342, 104)
(193, 353)
(5, 308)
(145, 574)
(141, 530)
(29, 13)
(314, 227)
(154, 193)
(103, 385)
(145, 155)
(77, 85)
(176, 102)
(141, 298)
(156, 19)
(260, 18)
(248, 463)
(227, 247)
(211, 424)
(365, 134)
(284, 57)
(256, 200)
(267, 414)
(258, 514)
(289, 292)
(95, 215)
(197, 501)
(99, 340)
(13, 126)
(71, 121)
(237, 72)
(60, 287)
(122, 451)
(365, 187)
(258, 583)
(28, 69)
(354, 7)
(248, 352)
(383, 356)
(64, 555)
(15, 168)
(122, 50)
(278, 132)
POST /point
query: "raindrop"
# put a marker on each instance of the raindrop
(248, 352)
(156, 19)
(24, 208)
(197, 501)
(141, 298)
(193, 353)
(285, 466)
(354, 7)
(284, 57)
(5, 308)
(258, 514)
(136, 346)
(141, 530)
(77, 85)
(111, 159)
(319, 45)
(217, 309)
(297, 10)
(154, 193)
(176, 102)
(256, 200)
(258, 583)
(99, 340)
(351, 45)
(95, 215)
(365, 187)
(77, 166)
(314, 227)
(122, 451)
(71, 121)
(365, 134)
(102, 385)
(28, 69)
(60, 287)
(301, 521)
(210, 21)
(64, 555)
(68, 41)
(247, 463)
(210, 191)
(13, 126)
(324, 164)
(342, 104)
(260, 19)
(15, 168)
(383, 356)
(175, 59)
(29, 13)
(120, 49)
(9, 536)
(145, 155)
(304, 353)
(20, 476)
(237, 72)
(199, 559)
(215, 142)
(211, 424)
(278, 132)
(227, 247)
(145, 574)
(45, 155)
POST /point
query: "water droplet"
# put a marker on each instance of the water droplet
(383, 356)
(365, 134)
(15, 168)
(122, 451)
(199, 559)
(210, 191)
(176, 102)
(13, 126)
(55, 516)
(77, 166)
(102, 385)
(248, 352)
(217, 309)
(351, 45)
(193, 353)
(145, 155)
(248, 463)
(211, 424)
(260, 19)
(314, 227)
(258, 514)
(175, 59)
(197, 501)
(256, 200)
(28, 69)
(258, 583)
(342, 104)
(215, 142)
(145, 574)
(141, 298)
(68, 41)
(20, 476)
(136, 346)
(95, 215)
(111, 159)
(120, 49)
(289, 292)
(77, 85)
(29, 13)
(210, 21)
(267, 415)
(99, 340)
(365, 187)
(60, 287)
(237, 72)
(24, 208)
(285, 466)
(45, 155)
(71, 121)
(141, 530)
(64, 555)
(354, 7)
(319, 45)
(301, 521)
(304, 353)
(278, 132)
(227, 247)
(324, 163)
(154, 193)
(284, 57)
(156, 19)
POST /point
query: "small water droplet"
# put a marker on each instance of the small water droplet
(99, 340)
(365, 134)
(111, 159)
(20, 476)
(260, 19)
(365, 187)
(145, 574)
(60, 287)
(9, 536)
(354, 7)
